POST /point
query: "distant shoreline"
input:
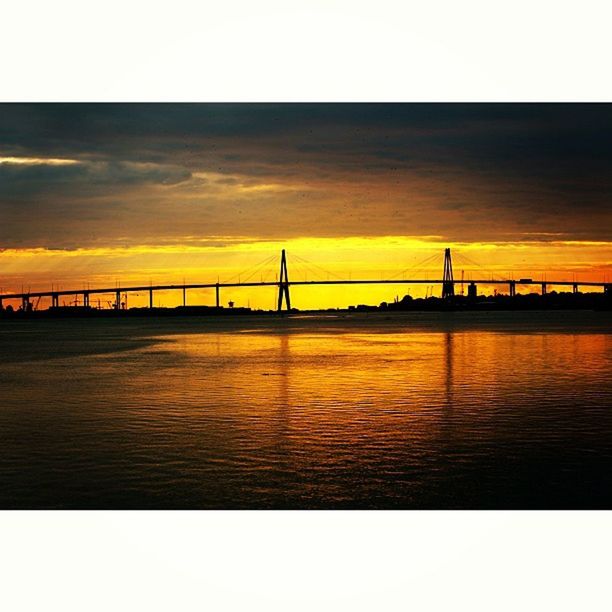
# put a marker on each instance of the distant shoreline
(498, 303)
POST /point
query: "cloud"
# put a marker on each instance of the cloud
(464, 171)
(24, 178)
(37, 161)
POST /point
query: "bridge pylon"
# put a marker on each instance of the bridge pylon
(448, 286)
(283, 284)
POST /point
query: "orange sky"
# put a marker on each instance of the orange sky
(132, 194)
(308, 259)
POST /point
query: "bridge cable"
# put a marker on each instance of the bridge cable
(258, 269)
(461, 258)
(252, 268)
(320, 268)
(418, 267)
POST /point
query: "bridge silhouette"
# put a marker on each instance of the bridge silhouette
(447, 283)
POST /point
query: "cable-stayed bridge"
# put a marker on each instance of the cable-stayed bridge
(283, 282)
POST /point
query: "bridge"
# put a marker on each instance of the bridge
(447, 283)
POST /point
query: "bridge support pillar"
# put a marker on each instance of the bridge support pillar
(86, 299)
(117, 300)
(150, 298)
(217, 302)
(54, 300)
(283, 284)
(512, 287)
(543, 288)
(184, 296)
(575, 287)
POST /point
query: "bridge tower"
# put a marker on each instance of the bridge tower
(283, 284)
(448, 286)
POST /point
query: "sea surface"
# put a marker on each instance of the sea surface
(412, 410)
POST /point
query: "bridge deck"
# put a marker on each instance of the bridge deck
(114, 290)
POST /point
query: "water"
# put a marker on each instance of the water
(414, 410)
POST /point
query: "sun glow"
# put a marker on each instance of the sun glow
(251, 260)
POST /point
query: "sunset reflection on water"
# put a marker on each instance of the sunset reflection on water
(315, 414)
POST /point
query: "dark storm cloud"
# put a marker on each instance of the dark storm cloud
(471, 171)
(508, 132)
(83, 178)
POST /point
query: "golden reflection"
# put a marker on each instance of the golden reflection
(448, 362)
(312, 390)
(283, 419)
(369, 385)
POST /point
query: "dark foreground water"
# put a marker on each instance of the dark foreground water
(447, 410)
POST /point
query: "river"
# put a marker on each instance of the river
(408, 410)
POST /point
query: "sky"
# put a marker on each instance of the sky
(115, 194)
